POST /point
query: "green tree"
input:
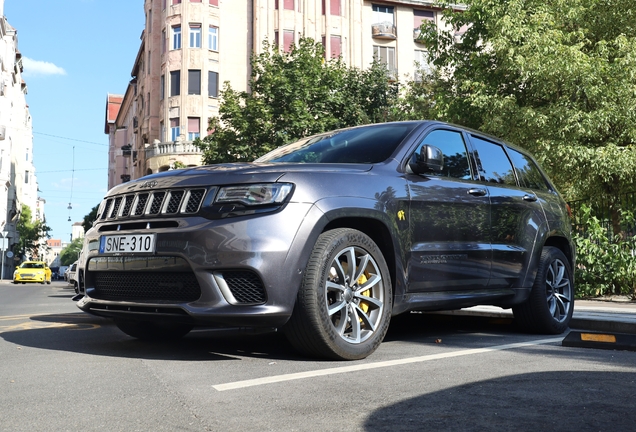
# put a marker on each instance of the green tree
(90, 218)
(32, 235)
(294, 95)
(71, 252)
(557, 77)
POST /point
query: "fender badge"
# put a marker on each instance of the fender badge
(400, 215)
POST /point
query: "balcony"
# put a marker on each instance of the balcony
(172, 148)
(384, 30)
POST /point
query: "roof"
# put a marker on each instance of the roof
(113, 103)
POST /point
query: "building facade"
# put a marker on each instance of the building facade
(189, 48)
(18, 182)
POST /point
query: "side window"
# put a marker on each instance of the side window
(527, 171)
(493, 164)
(454, 149)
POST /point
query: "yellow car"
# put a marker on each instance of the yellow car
(32, 271)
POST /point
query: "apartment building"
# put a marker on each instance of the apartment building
(189, 48)
(18, 183)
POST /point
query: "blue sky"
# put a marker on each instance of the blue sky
(75, 52)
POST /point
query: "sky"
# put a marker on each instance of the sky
(74, 53)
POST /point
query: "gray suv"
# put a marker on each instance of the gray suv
(329, 237)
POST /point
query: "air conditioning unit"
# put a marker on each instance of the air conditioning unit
(3, 131)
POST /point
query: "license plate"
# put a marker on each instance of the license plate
(130, 243)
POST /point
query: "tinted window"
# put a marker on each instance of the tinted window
(455, 156)
(367, 144)
(527, 171)
(494, 166)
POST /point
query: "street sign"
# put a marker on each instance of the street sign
(4, 243)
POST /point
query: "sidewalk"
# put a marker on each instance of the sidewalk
(589, 315)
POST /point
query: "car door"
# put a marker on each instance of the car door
(516, 214)
(449, 221)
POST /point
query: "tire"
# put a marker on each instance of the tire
(76, 288)
(328, 303)
(151, 331)
(548, 309)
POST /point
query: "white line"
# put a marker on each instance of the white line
(359, 367)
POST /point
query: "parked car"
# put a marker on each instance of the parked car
(329, 237)
(32, 272)
(71, 275)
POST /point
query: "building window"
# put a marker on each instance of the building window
(334, 7)
(148, 104)
(382, 14)
(193, 128)
(174, 129)
(176, 2)
(195, 35)
(287, 4)
(164, 40)
(213, 38)
(149, 63)
(26, 177)
(288, 40)
(422, 67)
(176, 37)
(214, 2)
(422, 16)
(213, 84)
(163, 4)
(162, 87)
(194, 82)
(335, 46)
(175, 83)
(162, 131)
(150, 21)
(386, 56)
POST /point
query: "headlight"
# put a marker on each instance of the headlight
(242, 200)
(255, 194)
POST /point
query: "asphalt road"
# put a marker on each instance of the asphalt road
(63, 370)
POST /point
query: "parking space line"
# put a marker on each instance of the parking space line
(359, 367)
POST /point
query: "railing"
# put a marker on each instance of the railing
(384, 31)
(603, 212)
(172, 148)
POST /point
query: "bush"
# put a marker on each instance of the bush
(606, 264)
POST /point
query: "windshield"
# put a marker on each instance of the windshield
(32, 265)
(366, 144)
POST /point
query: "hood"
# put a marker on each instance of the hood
(224, 174)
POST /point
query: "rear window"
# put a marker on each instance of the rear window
(366, 145)
(529, 175)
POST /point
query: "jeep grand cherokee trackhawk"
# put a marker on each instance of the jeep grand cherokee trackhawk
(330, 236)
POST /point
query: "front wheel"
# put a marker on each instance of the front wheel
(153, 331)
(549, 307)
(343, 307)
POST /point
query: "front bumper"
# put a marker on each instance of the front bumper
(35, 278)
(186, 278)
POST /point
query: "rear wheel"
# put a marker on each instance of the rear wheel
(549, 307)
(152, 331)
(343, 307)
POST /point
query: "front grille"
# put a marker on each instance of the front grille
(157, 203)
(146, 286)
(245, 286)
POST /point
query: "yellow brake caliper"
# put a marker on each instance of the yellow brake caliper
(363, 305)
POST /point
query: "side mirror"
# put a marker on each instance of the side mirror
(429, 159)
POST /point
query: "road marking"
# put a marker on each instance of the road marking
(355, 368)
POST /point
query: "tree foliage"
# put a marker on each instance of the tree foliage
(32, 236)
(90, 218)
(70, 253)
(294, 95)
(557, 77)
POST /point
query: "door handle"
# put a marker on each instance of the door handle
(477, 192)
(530, 197)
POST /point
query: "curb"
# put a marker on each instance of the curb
(611, 341)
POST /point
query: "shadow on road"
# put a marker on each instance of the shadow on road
(546, 401)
